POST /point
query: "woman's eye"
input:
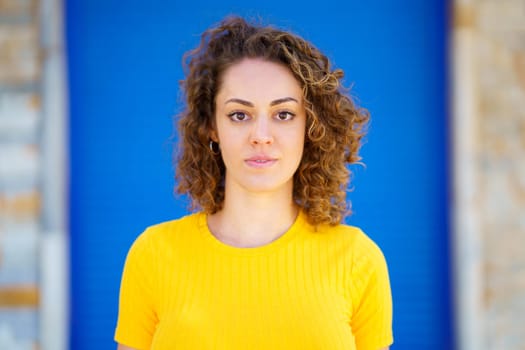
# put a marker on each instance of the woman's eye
(238, 116)
(284, 115)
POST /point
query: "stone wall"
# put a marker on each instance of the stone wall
(489, 127)
(20, 193)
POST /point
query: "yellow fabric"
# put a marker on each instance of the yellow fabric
(325, 289)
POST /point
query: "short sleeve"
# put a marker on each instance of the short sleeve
(371, 320)
(137, 317)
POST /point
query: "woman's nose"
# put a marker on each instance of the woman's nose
(261, 132)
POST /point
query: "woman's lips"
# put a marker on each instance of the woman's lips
(260, 162)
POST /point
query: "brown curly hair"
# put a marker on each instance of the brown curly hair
(335, 126)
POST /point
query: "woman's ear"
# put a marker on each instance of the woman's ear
(213, 136)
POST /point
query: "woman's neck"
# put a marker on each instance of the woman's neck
(252, 220)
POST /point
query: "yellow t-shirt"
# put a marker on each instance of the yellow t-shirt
(184, 289)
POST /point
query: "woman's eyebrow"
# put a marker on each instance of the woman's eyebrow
(273, 103)
(283, 100)
(238, 100)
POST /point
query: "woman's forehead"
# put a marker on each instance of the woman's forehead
(257, 79)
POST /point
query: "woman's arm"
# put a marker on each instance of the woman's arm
(124, 347)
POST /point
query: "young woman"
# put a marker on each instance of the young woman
(265, 263)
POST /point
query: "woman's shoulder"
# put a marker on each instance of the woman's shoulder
(358, 243)
(159, 245)
(347, 232)
(175, 224)
(164, 232)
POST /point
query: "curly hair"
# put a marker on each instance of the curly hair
(335, 126)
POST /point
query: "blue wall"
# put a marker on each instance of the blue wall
(124, 67)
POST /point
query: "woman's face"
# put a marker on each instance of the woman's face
(260, 126)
